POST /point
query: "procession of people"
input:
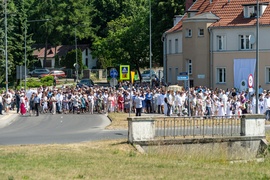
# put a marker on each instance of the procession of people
(134, 98)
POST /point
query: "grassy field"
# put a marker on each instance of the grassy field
(116, 159)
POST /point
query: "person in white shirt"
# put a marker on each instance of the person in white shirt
(138, 103)
(161, 101)
(267, 106)
(105, 101)
(91, 103)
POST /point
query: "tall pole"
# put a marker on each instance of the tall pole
(25, 32)
(150, 43)
(76, 66)
(6, 53)
(257, 58)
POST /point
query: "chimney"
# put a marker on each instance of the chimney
(188, 4)
(176, 19)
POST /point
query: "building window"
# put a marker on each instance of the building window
(176, 72)
(170, 46)
(188, 33)
(86, 62)
(267, 74)
(170, 75)
(244, 42)
(176, 45)
(221, 75)
(189, 66)
(201, 32)
(220, 43)
(86, 52)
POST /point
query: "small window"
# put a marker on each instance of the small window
(188, 33)
(245, 42)
(201, 32)
(267, 73)
(221, 75)
(221, 42)
(176, 46)
(170, 47)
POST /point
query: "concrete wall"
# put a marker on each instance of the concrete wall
(251, 144)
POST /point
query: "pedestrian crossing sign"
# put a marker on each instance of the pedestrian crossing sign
(124, 72)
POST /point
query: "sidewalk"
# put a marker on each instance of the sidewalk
(7, 119)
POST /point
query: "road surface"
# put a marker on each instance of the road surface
(58, 129)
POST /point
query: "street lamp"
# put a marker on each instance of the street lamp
(257, 59)
(25, 58)
(76, 66)
(6, 54)
(76, 48)
(150, 43)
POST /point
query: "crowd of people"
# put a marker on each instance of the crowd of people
(138, 99)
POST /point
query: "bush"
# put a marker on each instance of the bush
(46, 79)
(33, 84)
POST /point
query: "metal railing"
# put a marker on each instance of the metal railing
(184, 127)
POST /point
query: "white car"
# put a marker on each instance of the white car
(146, 75)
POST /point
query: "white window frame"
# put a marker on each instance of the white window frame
(170, 47)
(176, 46)
(200, 32)
(188, 32)
(221, 71)
(267, 75)
(221, 42)
(244, 42)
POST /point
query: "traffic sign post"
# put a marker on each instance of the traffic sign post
(113, 73)
(250, 81)
(183, 76)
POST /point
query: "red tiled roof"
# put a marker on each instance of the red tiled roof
(59, 50)
(230, 13)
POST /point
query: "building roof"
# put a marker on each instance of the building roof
(229, 12)
(61, 50)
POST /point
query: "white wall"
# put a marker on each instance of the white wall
(232, 37)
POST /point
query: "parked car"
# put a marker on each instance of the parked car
(38, 72)
(85, 82)
(146, 75)
(58, 73)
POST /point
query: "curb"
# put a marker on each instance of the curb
(7, 119)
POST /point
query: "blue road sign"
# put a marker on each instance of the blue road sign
(182, 78)
(113, 73)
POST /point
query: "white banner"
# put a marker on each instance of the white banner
(242, 69)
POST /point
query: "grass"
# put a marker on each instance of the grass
(116, 159)
(118, 120)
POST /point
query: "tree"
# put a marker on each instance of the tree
(127, 40)
(163, 12)
(70, 59)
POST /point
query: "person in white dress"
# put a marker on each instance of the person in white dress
(220, 106)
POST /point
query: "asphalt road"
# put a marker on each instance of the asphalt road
(58, 129)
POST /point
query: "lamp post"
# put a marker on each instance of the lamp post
(6, 54)
(76, 66)
(25, 57)
(257, 58)
(150, 43)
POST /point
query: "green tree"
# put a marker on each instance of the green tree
(163, 12)
(127, 40)
(70, 59)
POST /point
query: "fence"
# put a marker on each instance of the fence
(214, 126)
